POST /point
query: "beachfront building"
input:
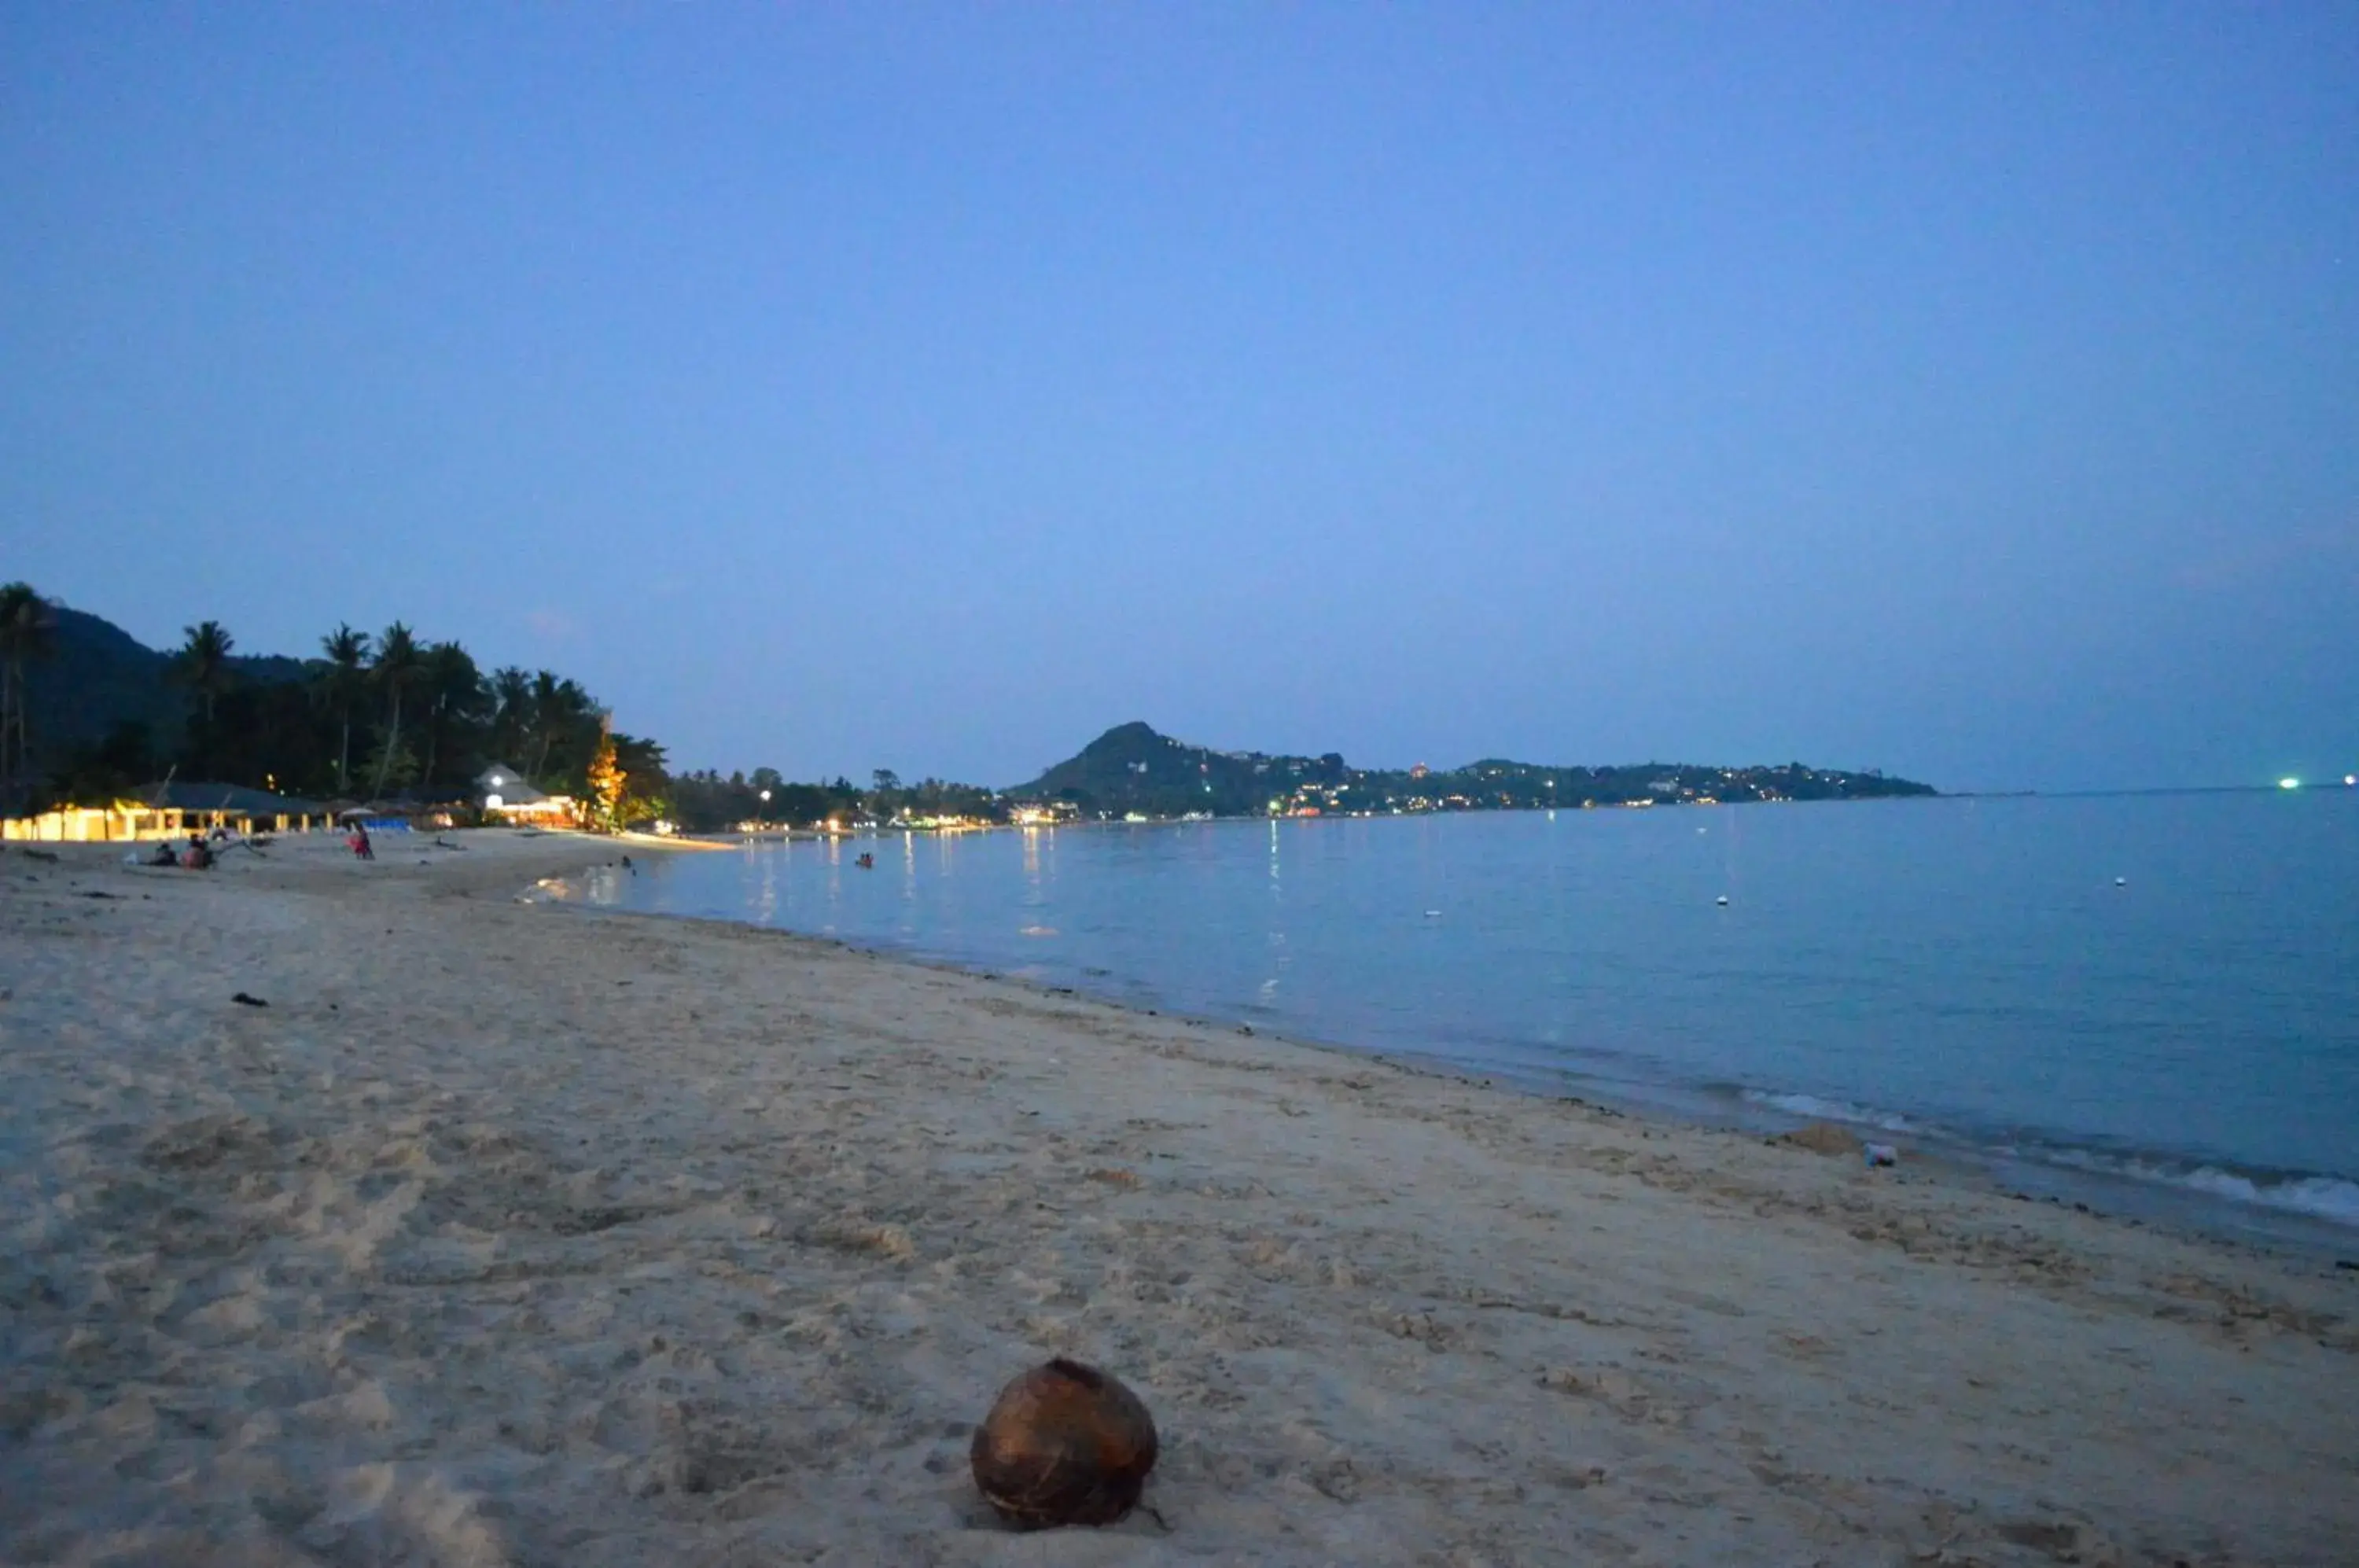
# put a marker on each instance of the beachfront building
(509, 796)
(170, 810)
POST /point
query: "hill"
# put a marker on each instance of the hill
(1133, 770)
(98, 677)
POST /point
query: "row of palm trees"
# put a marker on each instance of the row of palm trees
(405, 694)
(527, 712)
(430, 687)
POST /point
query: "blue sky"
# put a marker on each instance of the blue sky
(1971, 391)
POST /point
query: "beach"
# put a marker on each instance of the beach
(506, 1233)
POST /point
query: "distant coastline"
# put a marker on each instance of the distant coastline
(1133, 773)
(395, 724)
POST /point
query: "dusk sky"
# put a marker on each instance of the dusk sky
(1970, 391)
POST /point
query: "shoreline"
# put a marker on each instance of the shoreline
(2296, 1240)
(2003, 1171)
(496, 1238)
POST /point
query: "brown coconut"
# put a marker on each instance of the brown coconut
(1065, 1444)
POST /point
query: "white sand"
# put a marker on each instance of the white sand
(509, 1235)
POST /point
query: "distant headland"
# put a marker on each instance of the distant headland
(1133, 771)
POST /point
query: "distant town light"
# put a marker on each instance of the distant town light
(2288, 783)
(2351, 780)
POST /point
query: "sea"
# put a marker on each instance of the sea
(2148, 1003)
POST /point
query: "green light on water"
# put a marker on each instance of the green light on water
(2288, 783)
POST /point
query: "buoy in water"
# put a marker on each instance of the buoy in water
(1723, 898)
(2121, 881)
(1065, 1444)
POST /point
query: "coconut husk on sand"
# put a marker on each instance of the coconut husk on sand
(1065, 1444)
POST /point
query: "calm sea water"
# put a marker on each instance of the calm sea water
(1967, 972)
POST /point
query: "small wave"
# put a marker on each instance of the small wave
(1824, 1110)
(2321, 1197)
(2334, 1199)
(548, 890)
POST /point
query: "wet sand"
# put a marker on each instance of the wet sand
(509, 1235)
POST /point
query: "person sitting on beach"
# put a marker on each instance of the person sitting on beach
(164, 854)
(197, 857)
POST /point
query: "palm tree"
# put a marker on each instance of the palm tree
(559, 709)
(343, 680)
(454, 693)
(396, 668)
(512, 711)
(28, 627)
(202, 666)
